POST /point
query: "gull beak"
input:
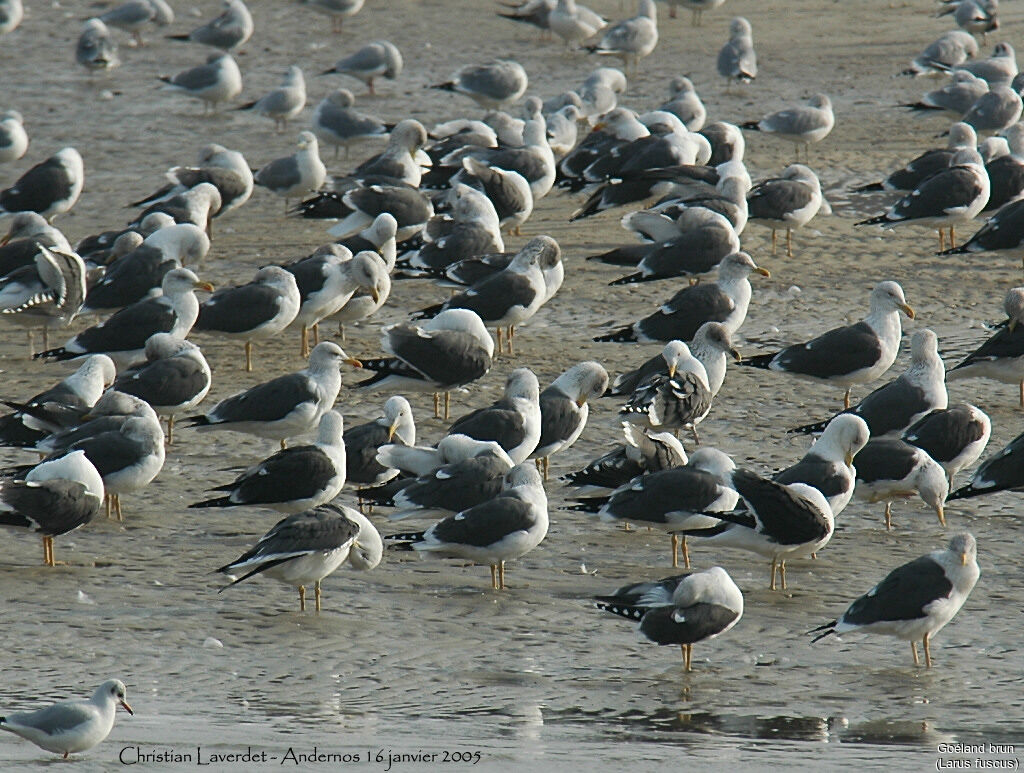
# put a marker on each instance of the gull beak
(942, 516)
(599, 125)
(581, 401)
(671, 371)
(6, 238)
(762, 271)
(353, 362)
(204, 286)
(126, 707)
(392, 430)
(1011, 324)
(963, 559)
(848, 459)
(375, 294)
(734, 353)
(905, 308)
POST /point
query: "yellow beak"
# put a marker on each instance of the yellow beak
(963, 559)
(762, 271)
(942, 515)
(671, 371)
(392, 430)
(126, 707)
(581, 401)
(849, 459)
(375, 295)
(907, 310)
(204, 286)
(353, 362)
(736, 355)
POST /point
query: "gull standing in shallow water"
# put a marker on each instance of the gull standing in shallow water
(564, 409)
(304, 548)
(916, 600)
(71, 726)
(499, 530)
(683, 610)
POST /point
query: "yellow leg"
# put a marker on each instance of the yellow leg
(1022, 394)
(675, 551)
(317, 591)
(952, 246)
(782, 573)
(106, 504)
(686, 554)
(304, 350)
(447, 405)
(942, 240)
(284, 444)
(302, 598)
(927, 651)
(511, 336)
(774, 242)
(846, 400)
(47, 555)
(771, 585)
(248, 356)
(913, 649)
(687, 657)
(501, 575)
(498, 333)
(170, 430)
(888, 516)
(437, 397)
(316, 333)
(117, 507)
(494, 577)
(789, 242)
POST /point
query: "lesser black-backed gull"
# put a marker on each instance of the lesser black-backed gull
(493, 532)
(360, 206)
(226, 169)
(828, 465)
(953, 195)
(534, 161)
(1000, 472)
(630, 39)
(928, 163)
(780, 521)
(378, 236)
(229, 31)
(217, 80)
(890, 469)
(893, 407)
(672, 499)
(196, 205)
(508, 190)
(916, 600)
(401, 161)
(174, 380)
(49, 292)
(725, 300)
(853, 354)
(677, 399)
(472, 227)
(379, 59)
(124, 334)
(363, 441)
(955, 437)
(284, 102)
(444, 353)
(1001, 357)
(1006, 170)
(729, 198)
(492, 86)
(70, 726)
(50, 188)
(54, 498)
(304, 548)
(293, 479)
(643, 451)
(261, 309)
(790, 201)
(96, 49)
(132, 276)
(108, 414)
(564, 409)
(369, 296)
(59, 406)
(286, 406)
(684, 610)
(513, 422)
(297, 174)
(336, 122)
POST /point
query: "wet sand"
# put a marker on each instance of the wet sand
(420, 655)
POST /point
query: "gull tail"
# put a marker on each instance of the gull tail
(829, 630)
(622, 610)
(621, 336)
(753, 126)
(216, 502)
(762, 361)
(876, 220)
(869, 188)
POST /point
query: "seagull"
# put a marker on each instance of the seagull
(336, 122)
(673, 499)
(52, 290)
(514, 421)
(790, 201)
(284, 102)
(228, 32)
(954, 195)
(679, 398)
(123, 335)
(96, 49)
(54, 498)
(891, 408)
(363, 441)
(854, 354)
(955, 437)
(294, 479)
(443, 354)
(304, 548)
(493, 85)
(338, 10)
(297, 174)
(916, 600)
(961, 136)
(974, 17)
(802, 125)
(13, 138)
(950, 49)
(631, 39)
(197, 206)
(780, 521)
(564, 409)
(71, 726)
(217, 80)
(644, 451)
(175, 378)
(133, 15)
(1001, 357)
(50, 188)
(828, 465)
(11, 14)
(256, 311)
(683, 610)
(1000, 472)
(379, 59)
(889, 468)
(956, 97)
(725, 300)
(493, 532)
(574, 23)
(227, 170)
(737, 60)
(286, 406)
(999, 69)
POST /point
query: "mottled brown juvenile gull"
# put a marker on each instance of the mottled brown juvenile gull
(848, 355)
(916, 600)
(684, 610)
(304, 548)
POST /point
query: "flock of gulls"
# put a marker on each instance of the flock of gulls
(435, 205)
